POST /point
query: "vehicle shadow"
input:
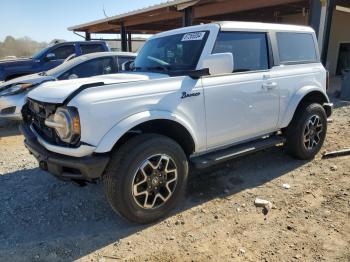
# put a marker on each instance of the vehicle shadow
(338, 103)
(60, 221)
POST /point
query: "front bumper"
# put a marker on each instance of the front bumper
(86, 168)
(11, 106)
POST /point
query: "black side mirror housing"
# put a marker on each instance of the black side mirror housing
(195, 74)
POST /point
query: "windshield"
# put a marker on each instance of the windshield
(171, 53)
(40, 53)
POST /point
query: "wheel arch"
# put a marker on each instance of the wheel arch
(307, 94)
(159, 122)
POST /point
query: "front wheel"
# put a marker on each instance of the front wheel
(146, 177)
(307, 131)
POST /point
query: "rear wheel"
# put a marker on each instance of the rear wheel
(307, 132)
(146, 177)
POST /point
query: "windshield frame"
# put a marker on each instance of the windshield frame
(39, 54)
(174, 71)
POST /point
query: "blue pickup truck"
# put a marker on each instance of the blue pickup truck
(48, 58)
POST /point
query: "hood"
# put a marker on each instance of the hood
(56, 92)
(28, 79)
(4, 62)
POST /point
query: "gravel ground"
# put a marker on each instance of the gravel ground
(43, 219)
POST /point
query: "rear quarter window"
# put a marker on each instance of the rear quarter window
(249, 49)
(91, 48)
(296, 48)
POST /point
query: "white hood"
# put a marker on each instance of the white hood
(56, 92)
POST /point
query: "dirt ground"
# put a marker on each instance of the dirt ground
(43, 219)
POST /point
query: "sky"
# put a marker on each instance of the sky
(45, 20)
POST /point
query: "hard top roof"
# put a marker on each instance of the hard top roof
(227, 25)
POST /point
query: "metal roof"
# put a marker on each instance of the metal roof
(131, 13)
(171, 14)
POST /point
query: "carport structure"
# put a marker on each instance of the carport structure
(178, 13)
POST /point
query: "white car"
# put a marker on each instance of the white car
(13, 93)
(201, 95)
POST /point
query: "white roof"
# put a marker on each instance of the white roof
(80, 59)
(237, 26)
(109, 53)
(231, 25)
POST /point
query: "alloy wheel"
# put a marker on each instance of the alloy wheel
(312, 132)
(154, 181)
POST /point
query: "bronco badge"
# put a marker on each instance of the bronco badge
(185, 95)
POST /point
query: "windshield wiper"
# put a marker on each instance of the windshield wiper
(42, 73)
(159, 68)
(152, 68)
(139, 68)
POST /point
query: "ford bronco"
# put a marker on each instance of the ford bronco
(198, 95)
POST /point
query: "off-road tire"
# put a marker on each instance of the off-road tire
(295, 132)
(125, 162)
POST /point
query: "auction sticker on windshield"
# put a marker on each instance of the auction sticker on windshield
(193, 36)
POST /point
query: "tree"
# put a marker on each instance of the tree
(20, 47)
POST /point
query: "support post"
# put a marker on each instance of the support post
(129, 42)
(315, 15)
(187, 17)
(87, 36)
(123, 37)
(317, 19)
(327, 30)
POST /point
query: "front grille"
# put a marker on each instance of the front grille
(36, 114)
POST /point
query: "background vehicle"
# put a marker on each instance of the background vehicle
(13, 93)
(202, 95)
(48, 58)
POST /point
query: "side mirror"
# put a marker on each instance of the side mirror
(50, 56)
(195, 74)
(219, 64)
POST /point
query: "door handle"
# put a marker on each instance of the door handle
(269, 85)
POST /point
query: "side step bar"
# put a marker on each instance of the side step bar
(216, 157)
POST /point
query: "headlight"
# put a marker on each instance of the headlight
(15, 89)
(66, 123)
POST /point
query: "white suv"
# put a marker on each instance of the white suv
(201, 95)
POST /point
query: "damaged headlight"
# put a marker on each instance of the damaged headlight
(15, 89)
(66, 123)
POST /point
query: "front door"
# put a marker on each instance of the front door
(245, 104)
(59, 55)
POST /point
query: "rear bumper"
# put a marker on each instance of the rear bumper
(86, 168)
